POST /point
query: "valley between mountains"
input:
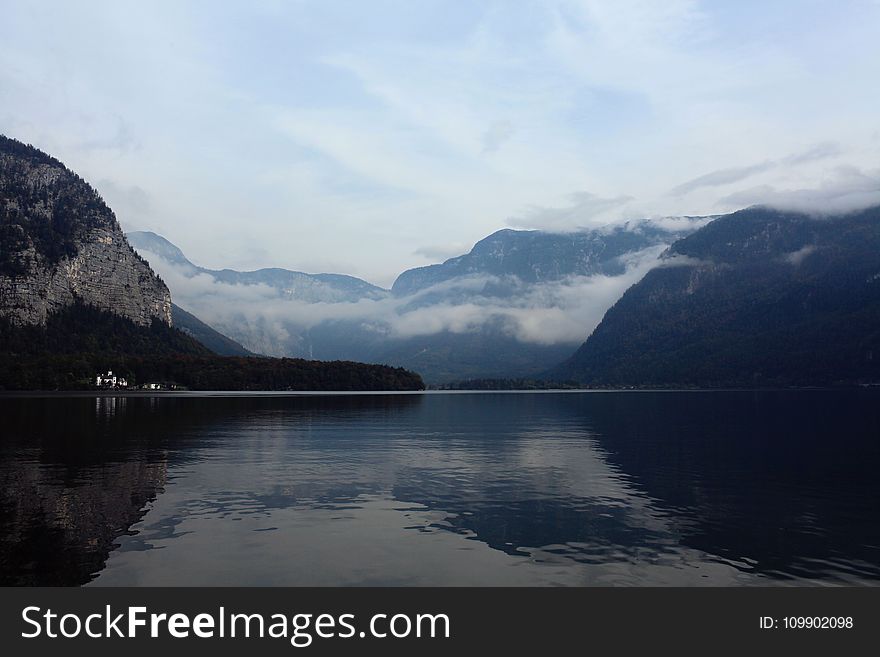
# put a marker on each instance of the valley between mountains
(758, 297)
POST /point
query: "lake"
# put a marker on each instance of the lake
(569, 488)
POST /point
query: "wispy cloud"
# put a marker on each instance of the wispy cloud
(818, 152)
(349, 135)
(585, 211)
(797, 257)
(721, 177)
(846, 189)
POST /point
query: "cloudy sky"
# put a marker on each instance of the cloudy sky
(369, 137)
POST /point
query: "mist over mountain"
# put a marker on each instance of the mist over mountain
(758, 297)
(206, 335)
(291, 285)
(534, 256)
(516, 304)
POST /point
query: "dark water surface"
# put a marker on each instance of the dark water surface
(618, 488)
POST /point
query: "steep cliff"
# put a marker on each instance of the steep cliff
(59, 243)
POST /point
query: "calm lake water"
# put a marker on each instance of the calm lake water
(588, 488)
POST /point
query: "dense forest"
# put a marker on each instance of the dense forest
(80, 341)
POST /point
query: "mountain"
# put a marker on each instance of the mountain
(61, 243)
(757, 297)
(204, 334)
(534, 256)
(76, 300)
(510, 307)
(290, 285)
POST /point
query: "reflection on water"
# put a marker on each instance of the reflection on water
(717, 488)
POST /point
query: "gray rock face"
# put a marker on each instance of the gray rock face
(104, 273)
(61, 243)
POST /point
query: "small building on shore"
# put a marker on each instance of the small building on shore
(110, 380)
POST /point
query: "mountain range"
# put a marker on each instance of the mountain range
(517, 304)
(534, 256)
(758, 297)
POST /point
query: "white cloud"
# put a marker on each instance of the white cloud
(349, 136)
(679, 224)
(585, 211)
(845, 189)
(442, 252)
(797, 257)
(557, 312)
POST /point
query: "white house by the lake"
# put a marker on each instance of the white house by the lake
(110, 380)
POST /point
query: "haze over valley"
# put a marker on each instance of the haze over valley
(515, 305)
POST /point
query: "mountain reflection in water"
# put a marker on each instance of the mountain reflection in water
(666, 488)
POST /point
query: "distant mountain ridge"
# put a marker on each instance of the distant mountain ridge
(757, 297)
(312, 288)
(535, 256)
(416, 325)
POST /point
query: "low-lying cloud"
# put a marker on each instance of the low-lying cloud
(558, 312)
(797, 257)
(846, 189)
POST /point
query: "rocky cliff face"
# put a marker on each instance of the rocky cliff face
(60, 243)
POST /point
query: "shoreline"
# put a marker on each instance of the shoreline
(23, 394)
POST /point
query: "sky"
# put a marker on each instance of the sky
(369, 137)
